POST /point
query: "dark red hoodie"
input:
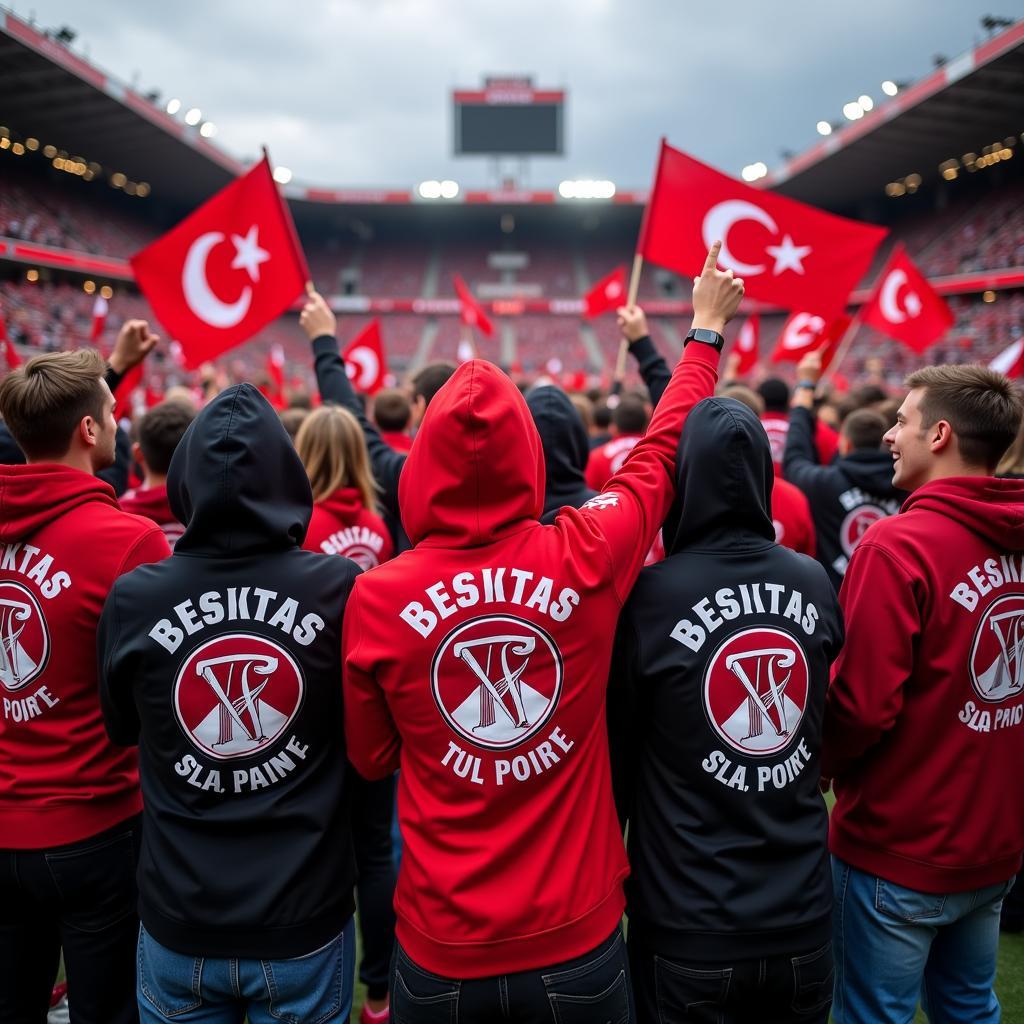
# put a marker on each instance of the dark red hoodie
(924, 722)
(478, 662)
(341, 525)
(63, 542)
(152, 503)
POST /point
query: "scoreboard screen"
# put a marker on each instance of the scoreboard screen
(509, 117)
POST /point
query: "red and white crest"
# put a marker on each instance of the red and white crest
(236, 694)
(24, 637)
(997, 656)
(755, 690)
(496, 680)
(855, 525)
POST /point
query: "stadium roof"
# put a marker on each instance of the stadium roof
(974, 101)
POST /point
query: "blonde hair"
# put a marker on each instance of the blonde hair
(331, 445)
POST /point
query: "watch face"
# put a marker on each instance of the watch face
(707, 337)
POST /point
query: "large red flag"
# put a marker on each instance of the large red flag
(365, 361)
(748, 343)
(471, 312)
(226, 270)
(1010, 361)
(905, 306)
(787, 253)
(608, 293)
(805, 332)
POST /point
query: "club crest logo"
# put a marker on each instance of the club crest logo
(755, 690)
(496, 680)
(855, 525)
(236, 694)
(997, 656)
(24, 637)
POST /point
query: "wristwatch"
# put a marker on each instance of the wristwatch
(706, 336)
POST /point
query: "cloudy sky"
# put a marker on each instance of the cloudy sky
(357, 92)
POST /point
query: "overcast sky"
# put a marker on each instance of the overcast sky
(357, 92)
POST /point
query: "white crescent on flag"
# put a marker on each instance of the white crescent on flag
(802, 330)
(198, 295)
(362, 366)
(720, 219)
(1007, 359)
(889, 303)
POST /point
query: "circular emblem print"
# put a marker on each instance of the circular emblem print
(362, 554)
(24, 637)
(497, 679)
(236, 694)
(998, 650)
(755, 690)
(855, 526)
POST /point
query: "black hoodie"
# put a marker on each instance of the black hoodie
(223, 662)
(845, 497)
(721, 667)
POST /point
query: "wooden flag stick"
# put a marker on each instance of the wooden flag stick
(844, 347)
(634, 288)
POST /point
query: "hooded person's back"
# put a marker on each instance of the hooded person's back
(477, 662)
(721, 667)
(342, 525)
(223, 663)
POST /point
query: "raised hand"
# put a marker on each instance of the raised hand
(134, 342)
(716, 294)
(317, 318)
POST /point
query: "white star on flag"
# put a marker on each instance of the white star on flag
(788, 255)
(248, 254)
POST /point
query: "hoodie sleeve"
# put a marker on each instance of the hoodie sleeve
(879, 601)
(371, 737)
(652, 366)
(800, 458)
(628, 514)
(115, 672)
(334, 385)
(622, 715)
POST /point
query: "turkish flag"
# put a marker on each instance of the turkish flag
(99, 317)
(471, 312)
(1010, 361)
(747, 344)
(11, 356)
(608, 293)
(806, 332)
(365, 362)
(905, 306)
(226, 270)
(787, 253)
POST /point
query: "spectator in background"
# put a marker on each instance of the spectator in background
(392, 412)
(160, 431)
(629, 421)
(850, 494)
(775, 395)
(69, 799)
(922, 721)
(600, 429)
(292, 419)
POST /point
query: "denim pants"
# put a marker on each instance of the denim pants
(79, 898)
(311, 989)
(791, 988)
(894, 946)
(590, 989)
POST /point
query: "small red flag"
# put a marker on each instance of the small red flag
(804, 332)
(11, 356)
(471, 312)
(365, 362)
(99, 317)
(1010, 361)
(748, 342)
(608, 293)
(124, 391)
(226, 270)
(787, 253)
(905, 306)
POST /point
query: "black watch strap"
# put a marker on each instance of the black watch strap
(702, 334)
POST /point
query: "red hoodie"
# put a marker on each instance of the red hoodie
(791, 515)
(64, 541)
(478, 662)
(924, 722)
(606, 461)
(152, 503)
(341, 525)
(776, 425)
(397, 439)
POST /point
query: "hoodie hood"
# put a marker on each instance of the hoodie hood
(476, 469)
(345, 505)
(565, 443)
(236, 481)
(724, 478)
(32, 496)
(991, 508)
(871, 471)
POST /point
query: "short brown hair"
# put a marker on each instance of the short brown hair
(429, 380)
(391, 409)
(864, 429)
(160, 432)
(43, 401)
(746, 396)
(982, 406)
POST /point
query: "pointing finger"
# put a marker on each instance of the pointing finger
(712, 261)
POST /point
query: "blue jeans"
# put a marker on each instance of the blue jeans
(311, 989)
(894, 945)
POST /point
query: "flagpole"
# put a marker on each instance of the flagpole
(844, 347)
(634, 288)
